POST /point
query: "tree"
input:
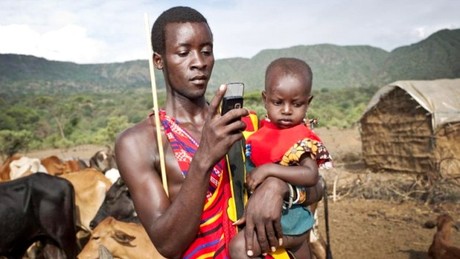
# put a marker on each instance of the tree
(115, 124)
(11, 142)
(64, 112)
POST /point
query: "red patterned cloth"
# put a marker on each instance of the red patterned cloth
(216, 228)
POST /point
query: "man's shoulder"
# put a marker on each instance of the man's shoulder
(139, 131)
(137, 142)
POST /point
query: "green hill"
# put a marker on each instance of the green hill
(333, 66)
(438, 56)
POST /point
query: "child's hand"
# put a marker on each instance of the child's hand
(255, 177)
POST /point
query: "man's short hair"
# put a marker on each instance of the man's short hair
(179, 14)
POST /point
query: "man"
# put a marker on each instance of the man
(194, 220)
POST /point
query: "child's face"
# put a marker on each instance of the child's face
(286, 99)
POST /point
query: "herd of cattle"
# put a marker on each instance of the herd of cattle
(51, 208)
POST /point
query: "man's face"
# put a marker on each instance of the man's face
(188, 58)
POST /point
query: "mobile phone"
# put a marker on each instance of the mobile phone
(233, 98)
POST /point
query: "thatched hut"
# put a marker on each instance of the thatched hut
(414, 127)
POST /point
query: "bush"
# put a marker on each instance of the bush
(12, 142)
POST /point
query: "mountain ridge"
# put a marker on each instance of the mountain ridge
(334, 66)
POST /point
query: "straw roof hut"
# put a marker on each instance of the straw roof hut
(414, 127)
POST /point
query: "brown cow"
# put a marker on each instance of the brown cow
(74, 165)
(90, 188)
(121, 239)
(441, 247)
(53, 164)
(56, 166)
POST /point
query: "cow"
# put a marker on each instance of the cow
(38, 207)
(74, 165)
(117, 204)
(5, 168)
(56, 166)
(123, 240)
(90, 188)
(53, 165)
(25, 166)
(103, 160)
(441, 247)
(113, 174)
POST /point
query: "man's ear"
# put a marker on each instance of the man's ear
(264, 96)
(309, 99)
(158, 61)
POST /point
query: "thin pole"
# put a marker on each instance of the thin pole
(155, 108)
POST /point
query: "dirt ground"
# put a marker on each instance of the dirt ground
(372, 215)
(375, 215)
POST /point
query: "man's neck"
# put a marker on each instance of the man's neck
(187, 111)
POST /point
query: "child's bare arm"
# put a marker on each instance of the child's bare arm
(306, 174)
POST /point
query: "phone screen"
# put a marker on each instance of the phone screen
(233, 98)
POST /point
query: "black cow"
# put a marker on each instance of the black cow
(118, 204)
(38, 207)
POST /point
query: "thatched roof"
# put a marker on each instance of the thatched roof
(439, 97)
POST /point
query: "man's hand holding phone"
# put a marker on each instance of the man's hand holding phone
(233, 98)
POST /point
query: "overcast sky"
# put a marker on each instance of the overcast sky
(92, 31)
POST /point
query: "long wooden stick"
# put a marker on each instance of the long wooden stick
(164, 179)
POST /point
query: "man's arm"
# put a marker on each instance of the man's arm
(138, 163)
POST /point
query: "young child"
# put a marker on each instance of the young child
(287, 149)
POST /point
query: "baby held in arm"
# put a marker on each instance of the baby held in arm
(286, 148)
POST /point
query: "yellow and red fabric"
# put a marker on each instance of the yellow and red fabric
(216, 229)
